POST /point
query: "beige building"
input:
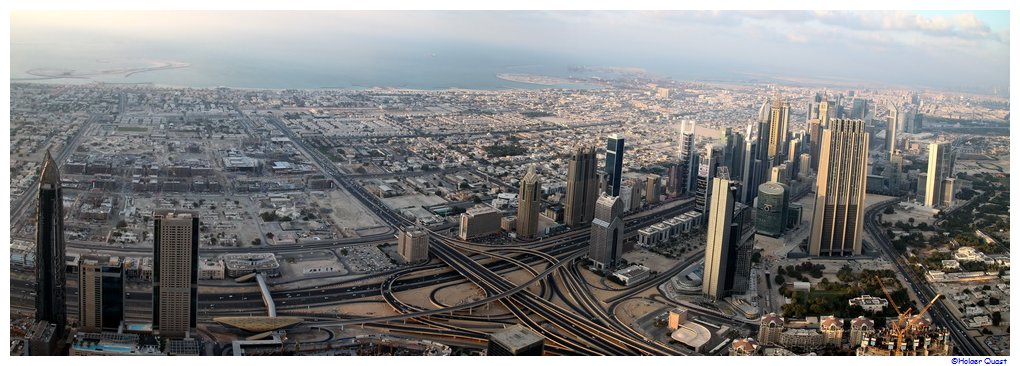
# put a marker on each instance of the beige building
(832, 330)
(801, 338)
(839, 202)
(778, 127)
(413, 245)
(745, 347)
(653, 188)
(677, 317)
(175, 277)
(770, 327)
(720, 219)
(529, 204)
(860, 328)
(508, 224)
(480, 220)
(209, 269)
(940, 171)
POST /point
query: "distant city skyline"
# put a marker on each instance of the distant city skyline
(959, 49)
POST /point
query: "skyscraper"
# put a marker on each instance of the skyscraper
(49, 248)
(752, 170)
(859, 109)
(720, 233)
(891, 127)
(773, 202)
(778, 125)
(707, 164)
(614, 163)
(940, 168)
(688, 168)
(606, 246)
(653, 188)
(100, 293)
(825, 111)
(529, 201)
(814, 141)
(736, 155)
(582, 187)
(839, 201)
(175, 273)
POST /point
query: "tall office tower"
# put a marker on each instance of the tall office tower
(49, 249)
(891, 127)
(839, 202)
(773, 204)
(804, 165)
(860, 108)
(778, 125)
(636, 193)
(653, 188)
(948, 185)
(688, 170)
(100, 293)
(922, 182)
(719, 231)
(793, 153)
(606, 246)
(726, 146)
(940, 168)
(915, 126)
(825, 112)
(175, 273)
(614, 163)
(780, 174)
(747, 170)
(673, 180)
(529, 201)
(708, 162)
(582, 187)
(763, 112)
(837, 108)
(814, 139)
(737, 156)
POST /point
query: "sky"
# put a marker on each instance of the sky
(968, 49)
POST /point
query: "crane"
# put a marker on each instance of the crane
(901, 326)
(923, 311)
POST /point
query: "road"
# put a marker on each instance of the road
(966, 345)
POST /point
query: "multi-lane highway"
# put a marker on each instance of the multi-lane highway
(555, 300)
(965, 344)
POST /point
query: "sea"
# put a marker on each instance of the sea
(404, 66)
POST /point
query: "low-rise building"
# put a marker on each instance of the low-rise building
(210, 269)
(240, 264)
(802, 338)
(632, 274)
(869, 303)
(745, 347)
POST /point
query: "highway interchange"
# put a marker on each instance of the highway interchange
(562, 308)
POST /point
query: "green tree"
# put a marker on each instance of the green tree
(780, 280)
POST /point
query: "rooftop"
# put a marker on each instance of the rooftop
(516, 337)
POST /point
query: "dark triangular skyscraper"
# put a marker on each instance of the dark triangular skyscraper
(49, 248)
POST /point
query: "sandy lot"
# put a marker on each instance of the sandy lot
(347, 212)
